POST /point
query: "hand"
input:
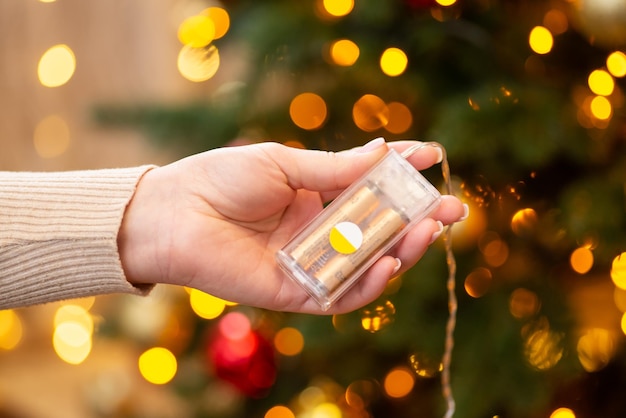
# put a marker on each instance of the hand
(215, 220)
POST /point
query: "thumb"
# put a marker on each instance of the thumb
(328, 171)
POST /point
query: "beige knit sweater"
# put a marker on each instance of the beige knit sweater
(58, 234)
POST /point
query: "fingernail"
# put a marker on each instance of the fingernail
(372, 145)
(465, 213)
(437, 232)
(439, 155)
(397, 267)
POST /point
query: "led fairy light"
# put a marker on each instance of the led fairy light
(328, 255)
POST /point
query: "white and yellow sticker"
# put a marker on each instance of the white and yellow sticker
(346, 237)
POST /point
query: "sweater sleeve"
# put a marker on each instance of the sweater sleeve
(58, 234)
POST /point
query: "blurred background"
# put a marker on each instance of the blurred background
(526, 96)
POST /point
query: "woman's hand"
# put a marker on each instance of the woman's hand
(215, 220)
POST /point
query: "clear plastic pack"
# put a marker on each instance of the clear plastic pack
(329, 255)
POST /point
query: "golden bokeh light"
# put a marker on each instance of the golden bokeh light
(556, 21)
(11, 329)
(616, 64)
(206, 306)
(542, 346)
(524, 221)
(618, 271)
(73, 331)
(289, 341)
(326, 410)
(596, 348)
(51, 137)
(72, 342)
(158, 365)
(56, 66)
(393, 62)
(196, 31)
(360, 393)
(541, 40)
(76, 314)
(308, 111)
(477, 283)
(370, 113)
(601, 83)
(601, 108)
(198, 64)
(424, 365)
(399, 382)
(494, 249)
(581, 260)
(524, 303)
(445, 3)
(400, 118)
(378, 317)
(338, 8)
(562, 413)
(279, 411)
(344, 52)
(221, 20)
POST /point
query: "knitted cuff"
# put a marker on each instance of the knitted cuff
(58, 234)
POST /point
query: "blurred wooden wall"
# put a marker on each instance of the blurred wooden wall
(125, 52)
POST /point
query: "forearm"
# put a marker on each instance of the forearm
(58, 234)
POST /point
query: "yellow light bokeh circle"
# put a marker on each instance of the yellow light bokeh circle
(618, 271)
(157, 365)
(562, 413)
(206, 306)
(541, 40)
(616, 64)
(601, 108)
(344, 52)
(338, 8)
(11, 329)
(72, 342)
(196, 31)
(601, 83)
(198, 64)
(393, 62)
(56, 66)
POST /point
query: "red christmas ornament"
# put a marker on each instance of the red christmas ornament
(242, 356)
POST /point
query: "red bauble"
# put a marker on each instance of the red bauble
(242, 356)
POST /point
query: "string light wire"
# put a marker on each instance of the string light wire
(446, 361)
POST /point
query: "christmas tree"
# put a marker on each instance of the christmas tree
(526, 97)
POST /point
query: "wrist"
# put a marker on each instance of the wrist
(136, 237)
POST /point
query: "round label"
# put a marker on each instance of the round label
(346, 237)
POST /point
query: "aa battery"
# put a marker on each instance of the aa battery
(313, 246)
(378, 232)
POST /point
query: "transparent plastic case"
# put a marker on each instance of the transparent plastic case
(329, 254)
